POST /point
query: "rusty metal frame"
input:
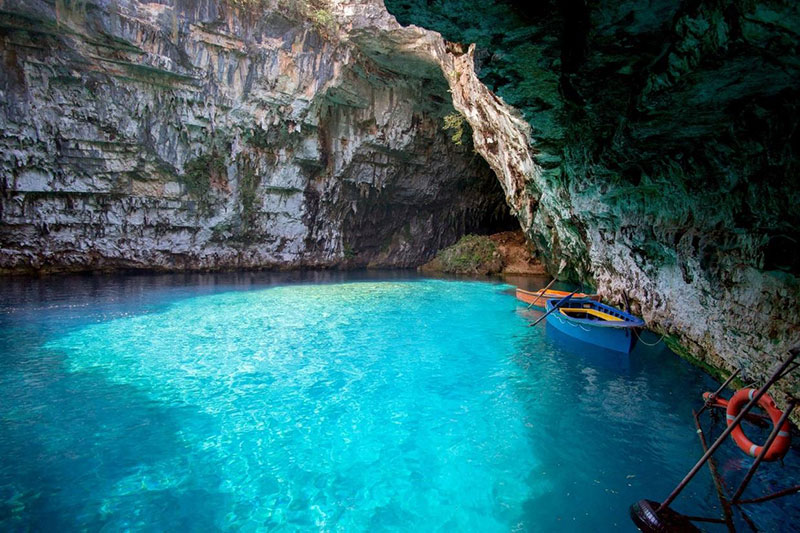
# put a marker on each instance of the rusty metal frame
(729, 503)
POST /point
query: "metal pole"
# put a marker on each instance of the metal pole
(772, 496)
(726, 505)
(772, 436)
(749, 521)
(558, 304)
(706, 519)
(696, 468)
(542, 293)
(761, 421)
(720, 389)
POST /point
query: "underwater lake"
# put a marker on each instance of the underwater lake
(335, 402)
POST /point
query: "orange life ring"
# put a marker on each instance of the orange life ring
(781, 443)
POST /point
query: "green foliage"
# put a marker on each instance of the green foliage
(258, 137)
(221, 231)
(450, 18)
(323, 19)
(315, 11)
(276, 136)
(283, 192)
(248, 186)
(473, 254)
(156, 76)
(348, 252)
(198, 172)
(455, 122)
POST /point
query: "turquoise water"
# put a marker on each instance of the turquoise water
(386, 404)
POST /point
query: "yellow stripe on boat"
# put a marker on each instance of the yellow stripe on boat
(593, 312)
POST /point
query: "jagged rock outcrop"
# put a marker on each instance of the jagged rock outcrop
(212, 134)
(657, 155)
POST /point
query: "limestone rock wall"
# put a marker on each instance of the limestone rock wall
(206, 134)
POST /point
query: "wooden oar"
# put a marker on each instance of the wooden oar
(558, 304)
(542, 293)
(625, 299)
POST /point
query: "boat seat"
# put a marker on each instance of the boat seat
(590, 313)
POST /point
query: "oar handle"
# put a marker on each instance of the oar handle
(558, 304)
(542, 292)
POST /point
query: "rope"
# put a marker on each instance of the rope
(647, 343)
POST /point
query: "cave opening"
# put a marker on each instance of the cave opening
(427, 204)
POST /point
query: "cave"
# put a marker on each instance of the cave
(266, 263)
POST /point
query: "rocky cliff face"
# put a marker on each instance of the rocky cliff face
(657, 155)
(211, 134)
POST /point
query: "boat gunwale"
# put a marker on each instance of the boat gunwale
(628, 322)
(543, 294)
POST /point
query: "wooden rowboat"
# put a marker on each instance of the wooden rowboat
(595, 323)
(529, 297)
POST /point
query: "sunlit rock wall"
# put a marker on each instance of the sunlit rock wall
(654, 153)
(195, 134)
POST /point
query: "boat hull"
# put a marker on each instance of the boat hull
(617, 335)
(616, 339)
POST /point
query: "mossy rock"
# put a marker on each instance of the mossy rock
(719, 374)
(199, 173)
(473, 254)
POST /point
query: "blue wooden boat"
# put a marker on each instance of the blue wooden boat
(595, 323)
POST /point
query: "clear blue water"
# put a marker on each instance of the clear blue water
(257, 402)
